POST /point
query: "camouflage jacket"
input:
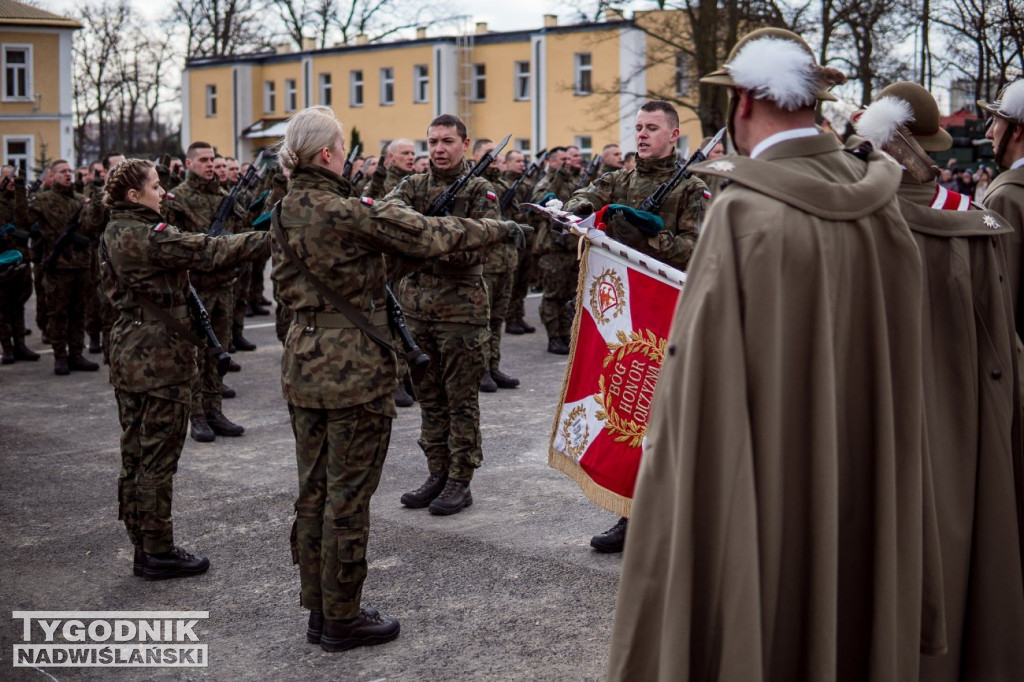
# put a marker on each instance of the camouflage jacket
(142, 254)
(561, 183)
(341, 240)
(501, 258)
(682, 209)
(447, 290)
(195, 201)
(381, 184)
(95, 214)
(54, 209)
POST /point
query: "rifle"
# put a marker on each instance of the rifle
(227, 204)
(414, 355)
(442, 205)
(586, 175)
(6, 181)
(347, 170)
(68, 237)
(510, 193)
(201, 320)
(652, 203)
(36, 184)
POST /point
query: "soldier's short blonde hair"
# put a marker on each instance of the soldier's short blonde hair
(307, 133)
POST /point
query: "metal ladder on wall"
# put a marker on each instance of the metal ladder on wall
(464, 43)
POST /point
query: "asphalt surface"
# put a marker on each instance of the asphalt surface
(508, 589)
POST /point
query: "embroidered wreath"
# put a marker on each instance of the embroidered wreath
(615, 282)
(647, 342)
(637, 342)
(575, 451)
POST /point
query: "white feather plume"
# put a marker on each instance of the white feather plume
(1012, 105)
(879, 121)
(776, 69)
(838, 113)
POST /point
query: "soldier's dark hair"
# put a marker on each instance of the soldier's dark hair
(197, 145)
(608, 146)
(308, 131)
(53, 166)
(449, 121)
(555, 150)
(480, 144)
(105, 159)
(661, 105)
(629, 156)
(128, 175)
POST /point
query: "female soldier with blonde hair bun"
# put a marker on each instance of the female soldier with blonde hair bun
(337, 378)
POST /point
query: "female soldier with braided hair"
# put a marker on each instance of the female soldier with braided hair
(145, 275)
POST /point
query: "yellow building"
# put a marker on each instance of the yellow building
(35, 84)
(557, 85)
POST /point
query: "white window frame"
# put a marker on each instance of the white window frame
(420, 83)
(29, 80)
(291, 95)
(211, 100)
(269, 97)
(580, 70)
(387, 86)
(522, 144)
(422, 148)
(325, 88)
(356, 86)
(682, 75)
(479, 82)
(586, 145)
(27, 158)
(521, 82)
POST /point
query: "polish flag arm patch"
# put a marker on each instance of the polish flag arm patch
(366, 200)
(492, 196)
(159, 227)
(707, 194)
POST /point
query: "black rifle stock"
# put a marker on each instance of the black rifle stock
(414, 355)
(587, 175)
(201, 320)
(347, 170)
(442, 204)
(227, 204)
(68, 237)
(653, 203)
(510, 193)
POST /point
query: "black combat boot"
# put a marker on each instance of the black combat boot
(258, 310)
(487, 384)
(503, 380)
(514, 327)
(425, 494)
(557, 346)
(8, 356)
(612, 540)
(23, 352)
(455, 498)
(222, 426)
(139, 563)
(368, 629)
(242, 343)
(315, 627)
(234, 366)
(94, 343)
(227, 392)
(79, 363)
(177, 563)
(402, 397)
(60, 367)
(527, 327)
(201, 430)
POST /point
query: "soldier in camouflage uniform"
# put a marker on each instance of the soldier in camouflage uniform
(657, 129)
(559, 270)
(400, 156)
(16, 289)
(336, 378)
(100, 314)
(151, 363)
(192, 209)
(515, 317)
(499, 271)
(611, 160)
(67, 280)
(447, 309)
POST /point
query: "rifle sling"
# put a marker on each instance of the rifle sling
(343, 306)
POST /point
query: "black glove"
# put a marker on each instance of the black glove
(583, 209)
(517, 233)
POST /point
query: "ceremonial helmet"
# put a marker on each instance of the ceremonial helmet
(904, 104)
(1009, 105)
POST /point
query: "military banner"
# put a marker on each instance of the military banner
(624, 303)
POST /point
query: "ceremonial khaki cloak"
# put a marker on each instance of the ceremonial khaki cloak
(783, 526)
(1005, 196)
(972, 409)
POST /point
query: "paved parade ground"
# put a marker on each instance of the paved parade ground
(508, 589)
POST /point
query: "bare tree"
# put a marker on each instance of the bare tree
(215, 28)
(985, 41)
(866, 39)
(96, 50)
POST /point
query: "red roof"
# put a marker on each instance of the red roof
(958, 118)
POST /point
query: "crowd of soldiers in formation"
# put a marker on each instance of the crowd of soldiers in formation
(55, 222)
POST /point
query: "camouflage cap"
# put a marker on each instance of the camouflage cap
(1009, 105)
(924, 121)
(787, 72)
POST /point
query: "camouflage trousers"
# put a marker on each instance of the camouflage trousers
(154, 426)
(93, 306)
(108, 316)
(340, 454)
(13, 295)
(257, 280)
(206, 395)
(499, 289)
(240, 292)
(66, 294)
(559, 275)
(521, 282)
(42, 310)
(449, 395)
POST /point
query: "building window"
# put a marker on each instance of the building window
(387, 85)
(269, 97)
(355, 88)
(291, 95)
(211, 100)
(523, 144)
(586, 145)
(17, 72)
(682, 75)
(582, 82)
(422, 149)
(522, 81)
(18, 152)
(420, 83)
(479, 93)
(683, 146)
(324, 82)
